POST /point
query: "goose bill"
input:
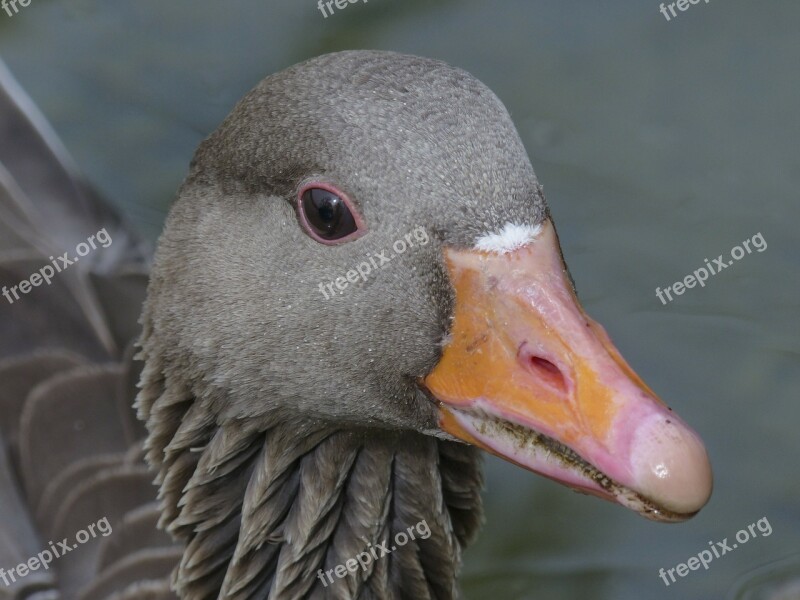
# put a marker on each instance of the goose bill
(528, 376)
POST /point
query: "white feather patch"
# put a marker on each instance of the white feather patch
(511, 237)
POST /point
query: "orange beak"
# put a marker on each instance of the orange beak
(528, 376)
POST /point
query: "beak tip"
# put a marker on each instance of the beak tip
(671, 465)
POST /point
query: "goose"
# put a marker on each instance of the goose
(293, 432)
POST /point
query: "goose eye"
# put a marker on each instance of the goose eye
(327, 215)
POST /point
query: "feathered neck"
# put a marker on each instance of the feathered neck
(262, 509)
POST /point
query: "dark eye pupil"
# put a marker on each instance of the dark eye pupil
(329, 211)
(327, 214)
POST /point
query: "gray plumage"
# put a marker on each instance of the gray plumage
(70, 446)
(287, 430)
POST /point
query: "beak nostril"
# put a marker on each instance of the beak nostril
(544, 364)
(548, 372)
(544, 370)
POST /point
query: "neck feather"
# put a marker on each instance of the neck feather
(272, 511)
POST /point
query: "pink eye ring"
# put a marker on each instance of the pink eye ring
(327, 214)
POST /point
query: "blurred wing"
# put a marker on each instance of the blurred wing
(70, 445)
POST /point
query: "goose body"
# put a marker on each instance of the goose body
(292, 432)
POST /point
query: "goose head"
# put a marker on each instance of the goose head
(363, 245)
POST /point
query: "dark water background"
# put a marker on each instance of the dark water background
(659, 144)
